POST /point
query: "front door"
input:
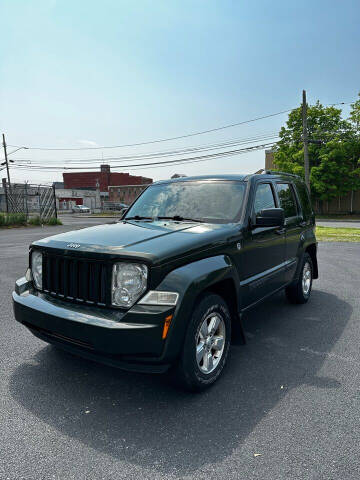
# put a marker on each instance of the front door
(263, 253)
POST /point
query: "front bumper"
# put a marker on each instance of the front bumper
(131, 339)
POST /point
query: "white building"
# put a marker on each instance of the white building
(67, 198)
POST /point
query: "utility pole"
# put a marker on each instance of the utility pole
(54, 200)
(26, 200)
(6, 194)
(6, 162)
(305, 140)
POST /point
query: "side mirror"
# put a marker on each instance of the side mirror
(270, 217)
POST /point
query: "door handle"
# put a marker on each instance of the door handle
(281, 231)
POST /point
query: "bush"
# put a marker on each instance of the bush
(35, 220)
(53, 221)
(50, 221)
(9, 219)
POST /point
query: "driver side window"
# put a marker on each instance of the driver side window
(264, 198)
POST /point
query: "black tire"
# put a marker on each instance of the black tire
(296, 293)
(188, 371)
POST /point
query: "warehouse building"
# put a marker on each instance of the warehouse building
(101, 180)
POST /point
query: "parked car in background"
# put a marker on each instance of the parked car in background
(167, 285)
(114, 206)
(80, 209)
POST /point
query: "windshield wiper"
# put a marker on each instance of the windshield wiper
(138, 217)
(179, 218)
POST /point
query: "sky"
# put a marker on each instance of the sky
(76, 74)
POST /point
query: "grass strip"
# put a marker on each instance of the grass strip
(331, 234)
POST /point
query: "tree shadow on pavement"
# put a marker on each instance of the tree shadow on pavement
(144, 420)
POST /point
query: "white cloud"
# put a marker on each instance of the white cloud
(88, 143)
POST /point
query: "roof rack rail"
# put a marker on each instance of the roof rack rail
(274, 172)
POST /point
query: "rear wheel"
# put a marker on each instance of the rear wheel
(300, 291)
(206, 344)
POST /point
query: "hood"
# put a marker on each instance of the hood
(157, 242)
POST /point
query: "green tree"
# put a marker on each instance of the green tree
(354, 142)
(338, 171)
(355, 116)
(324, 123)
(333, 149)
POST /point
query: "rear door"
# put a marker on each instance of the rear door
(263, 254)
(293, 224)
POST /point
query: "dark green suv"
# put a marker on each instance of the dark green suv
(167, 285)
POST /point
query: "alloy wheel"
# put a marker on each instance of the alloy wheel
(306, 278)
(210, 342)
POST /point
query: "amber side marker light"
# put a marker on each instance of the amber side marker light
(166, 326)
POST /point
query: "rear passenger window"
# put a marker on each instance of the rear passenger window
(287, 199)
(305, 200)
(264, 198)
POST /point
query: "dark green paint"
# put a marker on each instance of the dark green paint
(188, 258)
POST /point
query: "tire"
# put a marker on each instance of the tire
(195, 370)
(300, 291)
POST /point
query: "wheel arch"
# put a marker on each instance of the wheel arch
(312, 251)
(213, 274)
(226, 289)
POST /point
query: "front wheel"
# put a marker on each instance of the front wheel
(206, 344)
(301, 290)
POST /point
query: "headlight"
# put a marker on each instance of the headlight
(129, 282)
(36, 268)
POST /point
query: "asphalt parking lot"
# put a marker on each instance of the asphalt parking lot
(287, 407)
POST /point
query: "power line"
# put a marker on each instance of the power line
(149, 165)
(214, 155)
(163, 153)
(165, 139)
(251, 149)
(167, 153)
(179, 136)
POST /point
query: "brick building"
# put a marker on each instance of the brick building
(125, 193)
(269, 160)
(102, 179)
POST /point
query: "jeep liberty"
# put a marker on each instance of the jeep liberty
(166, 285)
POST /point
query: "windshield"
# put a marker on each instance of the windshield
(213, 202)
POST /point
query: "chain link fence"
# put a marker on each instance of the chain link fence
(28, 199)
